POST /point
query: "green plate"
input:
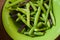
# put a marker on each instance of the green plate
(11, 28)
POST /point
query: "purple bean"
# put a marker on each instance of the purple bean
(21, 28)
(13, 14)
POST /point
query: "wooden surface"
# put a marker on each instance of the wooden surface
(3, 34)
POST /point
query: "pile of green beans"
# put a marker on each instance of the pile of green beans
(39, 12)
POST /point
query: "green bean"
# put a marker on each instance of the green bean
(23, 20)
(41, 1)
(37, 17)
(43, 15)
(36, 5)
(17, 19)
(21, 10)
(51, 6)
(48, 24)
(33, 6)
(42, 18)
(35, 21)
(39, 24)
(48, 11)
(38, 33)
(46, 1)
(26, 33)
(23, 15)
(46, 5)
(32, 18)
(34, 1)
(52, 17)
(23, 30)
(43, 29)
(14, 3)
(40, 5)
(32, 13)
(11, 8)
(28, 13)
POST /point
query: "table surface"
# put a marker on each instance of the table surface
(3, 34)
